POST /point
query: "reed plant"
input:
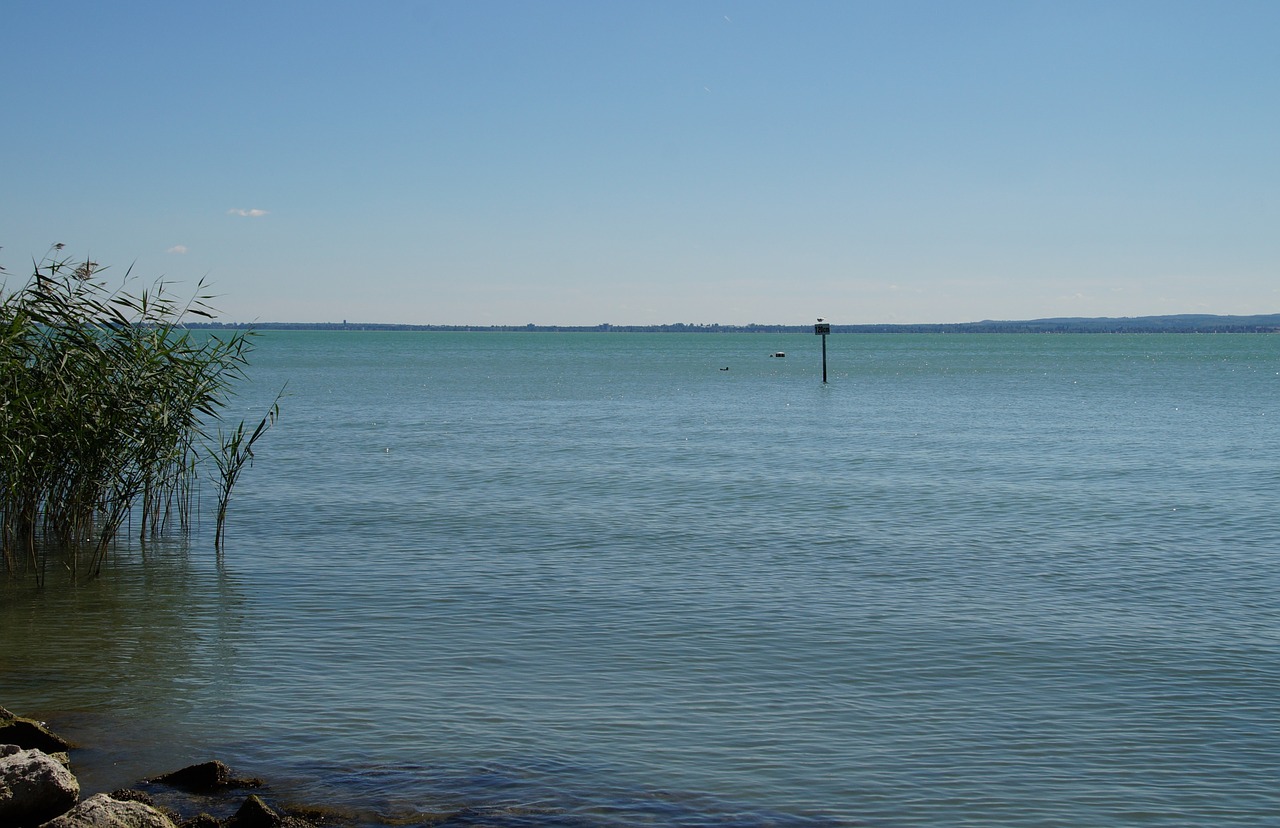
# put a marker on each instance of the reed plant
(110, 409)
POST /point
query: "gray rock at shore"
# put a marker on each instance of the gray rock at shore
(102, 811)
(28, 733)
(34, 786)
(38, 790)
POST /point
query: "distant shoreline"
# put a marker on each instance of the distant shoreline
(1179, 323)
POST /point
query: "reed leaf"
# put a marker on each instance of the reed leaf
(109, 407)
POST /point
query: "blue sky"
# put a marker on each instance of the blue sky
(647, 162)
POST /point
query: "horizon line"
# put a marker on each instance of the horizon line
(1178, 321)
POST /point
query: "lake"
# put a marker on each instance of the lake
(595, 579)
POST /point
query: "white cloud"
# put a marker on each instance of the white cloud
(254, 213)
(177, 248)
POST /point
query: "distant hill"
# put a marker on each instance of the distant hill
(1177, 323)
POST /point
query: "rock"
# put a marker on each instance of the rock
(254, 813)
(135, 795)
(202, 821)
(102, 811)
(28, 733)
(206, 777)
(33, 787)
(131, 795)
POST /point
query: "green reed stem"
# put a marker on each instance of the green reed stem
(106, 405)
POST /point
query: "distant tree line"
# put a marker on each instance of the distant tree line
(1178, 323)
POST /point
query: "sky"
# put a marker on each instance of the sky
(496, 162)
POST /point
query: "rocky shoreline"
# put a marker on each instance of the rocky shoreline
(39, 790)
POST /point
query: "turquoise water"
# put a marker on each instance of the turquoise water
(592, 579)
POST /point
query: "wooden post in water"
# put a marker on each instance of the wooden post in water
(822, 329)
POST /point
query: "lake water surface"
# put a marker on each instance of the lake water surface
(595, 580)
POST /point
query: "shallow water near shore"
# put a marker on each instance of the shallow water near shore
(593, 579)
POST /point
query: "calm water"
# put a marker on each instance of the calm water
(592, 579)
